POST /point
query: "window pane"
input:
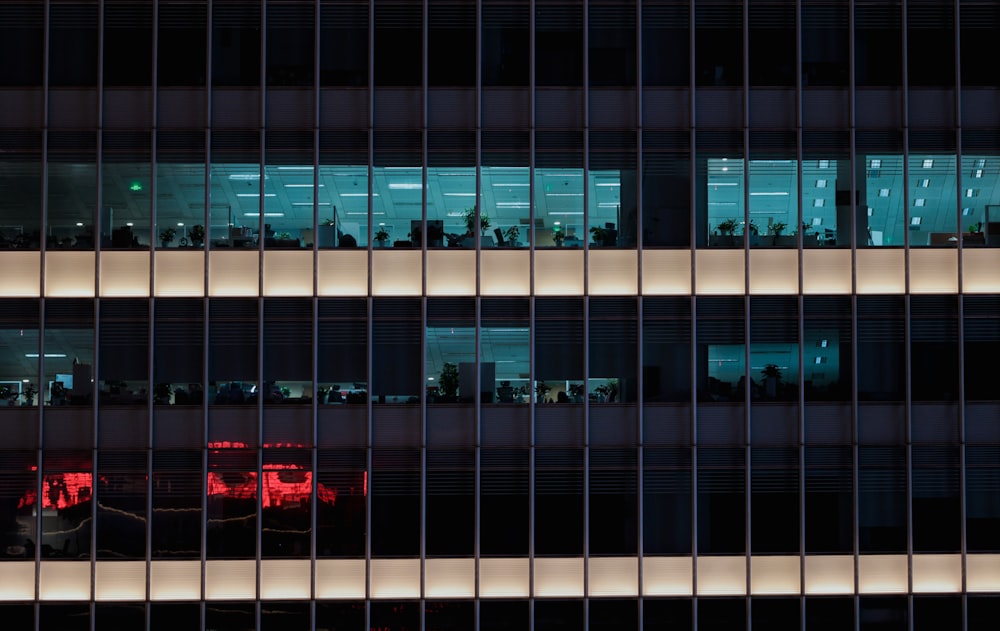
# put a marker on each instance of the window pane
(177, 516)
(121, 505)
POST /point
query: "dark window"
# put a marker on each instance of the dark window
(121, 505)
(881, 348)
(128, 49)
(721, 500)
(667, 500)
(395, 502)
(558, 501)
(829, 497)
(503, 502)
(236, 44)
(182, 43)
(451, 502)
(22, 38)
(232, 503)
(177, 495)
(340, 516)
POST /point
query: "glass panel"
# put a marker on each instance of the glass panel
(980, 201)
(121, 505)
(772, 42)
(342, 349)
(611, 43)
(613, 351)
(341, 487)
(826, 194)
(177, 516)
(234, 218)
(558, 348)
(666, 500)
(505, 344)
(288, 351)
(721, 500)
(180, 189)
(931, 43)
(289, 44)
(182, 43)
(613, 491)
(289, 195)
(880, 189)
(232, 352)
(774, 200)
(878, 43)
(451, 44)
(232, 504)
(558, 43)
(826, 349)
(21, 181)
(720, 204)
(72, 44)
(829, 499)
(775, 613)
(933, 203)
(666, 352)
(718, 40)
(934, 351)
(721, 356)
(825, 43)
(69, 352)
(396, 344)
(64, 617)
(123, 352)
(67, 492)
(982, 510)
(399, 195)
(178, 351)
(72, 190)
(398, 44)
(22, 37)
(774, 348)
(343, 190)
(284, 616)
(881, 348)
(506, 43)
(286, 499)
(343, 42)
(666, 188)
(395, 502)
(451, 202)
(128, 38)
(559, 190)
(882, 499)
(982, 344)
(125, 190)
(504, 524)
(236, 44)
(612, 189)
(718, 614)
(18, 504)
(558, 501)
(829, 614)
(450, 512)
(505, 197)
(774, 500)
(977, 28)
(19, 382)
(937, 510)
(451, 351)
(231, 617)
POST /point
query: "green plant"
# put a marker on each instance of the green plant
(576, 389)
(197, 234)
(162, 392)
(512, 233)
(751, 228)
(558, 236)
(470, 221)
(283, 235)
(778, 227)
(771, 370)
(286, 392)
(28, 392)
(609, 390)
(976, 228)
(541, 389)
(328, 222)
(167, 235)
(448, 380)
(6, 392)
(727, 226)
(599, 233)
(382, 235)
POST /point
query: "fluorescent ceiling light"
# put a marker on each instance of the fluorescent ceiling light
(817, 221)
(915, 221)
(564, 194)
(310, 203)
(79, 224)
(295, 168)
(769, 194)
(459, 194)
(254, 195)
(608, 205)
(820, 183)
(822, 343)
(981, 163)
(928, 163)
(876, 164)
(883, 192)
(575, 212)
(824, 164)
(512, 204)
(50, 355)
(969, 192)
(302, 185)
(966, 211)
(820, 360)
(978, 173)
(265, 214)
(180, 224)
(608, 184)
(511, 184)
(924, 183)
(919, 202)
(818, 203)
(723, 184)
(245, 177)
(405, 186)
(357, 194)
(870, 211)
(721, 203)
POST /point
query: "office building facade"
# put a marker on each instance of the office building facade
(499, 314)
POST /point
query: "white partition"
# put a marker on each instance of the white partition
(666, 272)
(340, 579)
(505, 273)
(231, 580)
(124, 274)
(22, 274)
(395, 578)
(719, 272)
(175, 580)
(179, 274)
(70, 274)
(234, 273)
(64, 580)
(288, 273)
(613, 576)
(558, 577)
(722, 576)
(829, 574)
(667, 576)
(285, 579)
(882, 574)
(504, 577)
(120, 580)
(450, 578)
(613, 272)
(451, 273)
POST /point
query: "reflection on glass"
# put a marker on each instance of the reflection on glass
(21, 179)
(66, 502)
(180, 205)
(933, 200)
(18, 499)
(506, 200)
(884, 197)
(980, 201)
(288, 206)
(72, 193)
(69, 366)
(605, 212)
(235, 212)
(451, 209)
(397, 204)
(342, 207)
(559, 208)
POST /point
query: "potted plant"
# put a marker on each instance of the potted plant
(576, 392)
(162, 393)
(599, 234)
(778, 227)
(727, 227)
(607, 392)
(470, 221)
(381, 237)
(772, 380)
(167, 236)
(541, 389)
(510, 235)
(558, 236)
(9, 395)
(28, 392)
(197, 235)
(448, 383)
